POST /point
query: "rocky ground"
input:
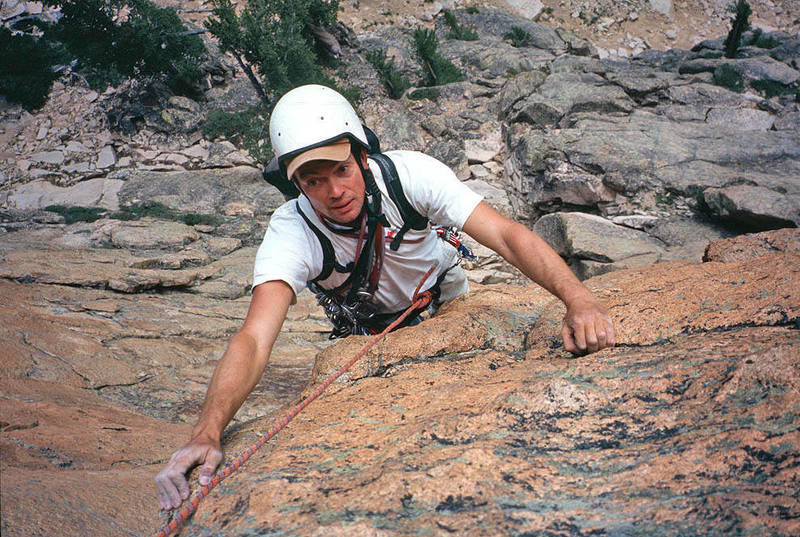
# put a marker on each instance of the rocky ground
(113, 313)
(473, 423)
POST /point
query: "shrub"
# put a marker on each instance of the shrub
(396, 84)
(758, 39)
(727, 77)
(153, 209)
(77, 214)
(424, 93)
(436, 69)
(132, 212)
(739, 25)
(273, 41)
(117, 39)
(457, 31)
(518, 37)
(772, 88)
(26, 68)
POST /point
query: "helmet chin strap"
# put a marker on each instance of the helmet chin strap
(370, 259)
(372, 201)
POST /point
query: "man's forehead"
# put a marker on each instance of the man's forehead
(315, 166)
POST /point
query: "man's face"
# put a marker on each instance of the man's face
(335, 189)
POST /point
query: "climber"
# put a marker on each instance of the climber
(358, 236)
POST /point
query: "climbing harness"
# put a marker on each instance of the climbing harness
(418, 301)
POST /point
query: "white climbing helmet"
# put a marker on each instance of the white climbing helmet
(310, 117)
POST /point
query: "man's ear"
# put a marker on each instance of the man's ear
(363, 156)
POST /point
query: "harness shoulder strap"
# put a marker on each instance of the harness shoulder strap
(328, 255)
(411, 218)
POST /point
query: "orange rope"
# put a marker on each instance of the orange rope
(419, 300)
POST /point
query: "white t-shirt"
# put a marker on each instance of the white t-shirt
(291, 252)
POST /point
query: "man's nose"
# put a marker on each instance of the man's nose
(335, 188)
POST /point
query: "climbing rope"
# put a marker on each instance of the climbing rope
(419, 300)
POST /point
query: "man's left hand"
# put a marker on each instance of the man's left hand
(587, 327)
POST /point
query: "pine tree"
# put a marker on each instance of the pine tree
(273, 41)
(739, 25)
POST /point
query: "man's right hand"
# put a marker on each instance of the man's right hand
(171, 480)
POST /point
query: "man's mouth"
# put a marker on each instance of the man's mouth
(342, 206)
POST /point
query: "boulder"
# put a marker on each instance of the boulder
(90, 193)
(501, 60)
(753, 245)
(48, 157)
(106, 158)
(219, 155)
(764, 68)
(496, 23)
(530, 9)
(754, 207)
(577, 45)
(562, 94)
(515, 89)
(642, 152)
(482, 150)
(582, 238)
(686, 238)
(399, 131)
(664, 7)
(144, 234)
(742, 119)
(200, 191)
(451, 153)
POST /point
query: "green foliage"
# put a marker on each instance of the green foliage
(424, 93)
(739, 25)
(246, 129)
(518, 37)
(132, 212)
(436, 69)
(154, 209)
(194, 219)
(77, 214)
(118, 39)
(457, 31)
(26, 68)
(727, 77)
(772, 88)
(758, 39)
(472, 10)
(396, 84)
(665, 198)
(273, 41)
(159, 210)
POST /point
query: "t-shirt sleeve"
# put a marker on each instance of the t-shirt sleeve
(433, 189)
(286, 253)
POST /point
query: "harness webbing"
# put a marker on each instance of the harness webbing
(419, 300)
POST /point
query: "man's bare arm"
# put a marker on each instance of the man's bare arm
(587, 326)
(234, 378)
